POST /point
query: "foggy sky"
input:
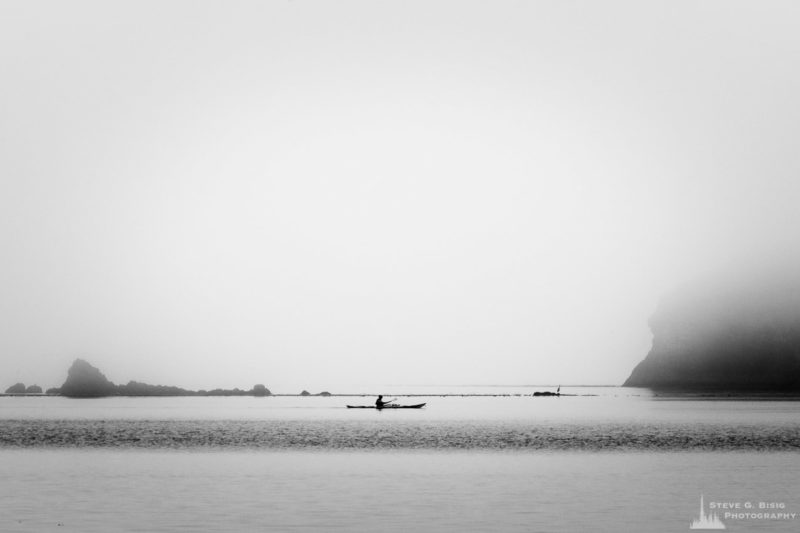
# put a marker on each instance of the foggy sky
(317, 194)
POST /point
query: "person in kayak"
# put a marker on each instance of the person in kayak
(379, 403)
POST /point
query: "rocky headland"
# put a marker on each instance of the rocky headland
(86, 381)
(725, 335)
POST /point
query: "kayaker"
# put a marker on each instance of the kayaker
(379, 403)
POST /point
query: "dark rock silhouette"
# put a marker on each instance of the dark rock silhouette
(86, 381)
(305, 393)
(324, 393)
(134, 388)
(33, 389)
(261, 390)
(17, 388)
(737, 335)
(229, 392)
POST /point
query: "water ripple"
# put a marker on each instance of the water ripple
(334, 435)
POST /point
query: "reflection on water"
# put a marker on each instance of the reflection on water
(594, 419)
(589, 405)
(500, 463)
(160, 491)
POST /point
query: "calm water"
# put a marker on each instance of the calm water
(607, 459)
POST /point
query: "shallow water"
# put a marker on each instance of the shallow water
(163, 491)
(595, 419)
(607, 459)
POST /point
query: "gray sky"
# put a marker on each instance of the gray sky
(318, 194)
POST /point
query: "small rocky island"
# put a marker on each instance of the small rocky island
(86, 381)
(727, 335)
(20, 388)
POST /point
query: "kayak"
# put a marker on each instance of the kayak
(392, 406)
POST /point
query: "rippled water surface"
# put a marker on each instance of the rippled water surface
(606, 459)
(592, 419)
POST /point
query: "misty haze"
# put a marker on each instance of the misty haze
(397, 266)
(501, 196)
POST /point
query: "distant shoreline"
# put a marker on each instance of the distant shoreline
(654, 395)
(343, 395)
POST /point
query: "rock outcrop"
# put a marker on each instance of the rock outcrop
(725, 335)
(135, 388)
(86, 381)
(261, 390)
(16, 388)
